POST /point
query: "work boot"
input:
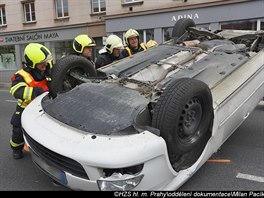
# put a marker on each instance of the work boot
(17, 154)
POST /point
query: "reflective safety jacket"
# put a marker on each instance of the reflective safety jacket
(142, 47)
(23, 83)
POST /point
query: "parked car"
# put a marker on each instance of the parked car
(149, 121)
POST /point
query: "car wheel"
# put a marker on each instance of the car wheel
(181, 26)
(62, 80)
(184, 116)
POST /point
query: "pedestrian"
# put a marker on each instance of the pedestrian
(111, 51)
(83, 46)
(133, 43)
(28, 83)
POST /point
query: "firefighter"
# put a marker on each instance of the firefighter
(133, 43)
(83, 46)
(111, 51)
(28, 83)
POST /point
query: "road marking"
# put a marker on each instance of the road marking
(219, 160)
(10, 100)
(250, 177)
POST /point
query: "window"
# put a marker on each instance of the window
(240, 25)
(29, 10)
(62, 48)
(167, 33)
(262, 24)
(144, 35)
(132, 1)
(98, 6)
(181, 0)
(2, 16)
(62, 8)
(7, 58)
(148, 35)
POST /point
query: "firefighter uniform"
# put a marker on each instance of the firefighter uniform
(112, 51)
(130, 50)
(27, 84)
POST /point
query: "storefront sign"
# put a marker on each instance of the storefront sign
(180, 16)
(31, 37)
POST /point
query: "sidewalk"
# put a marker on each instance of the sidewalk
(5, 85)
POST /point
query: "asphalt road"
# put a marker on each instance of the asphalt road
(17, 175)
(244, 149)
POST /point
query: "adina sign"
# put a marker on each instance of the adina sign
(180, 16)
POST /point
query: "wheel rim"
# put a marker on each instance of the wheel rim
(69, 82)
(190, 120)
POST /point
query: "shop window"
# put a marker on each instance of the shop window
(29, 12)
(141, 35)
(144, 35)
(2, 16)
(62, 48)
(62, 9)
(98, 6)
(167, 33)
(7, 58)
(149, 35)
(204, 26)
(262, 24)
(240, 25)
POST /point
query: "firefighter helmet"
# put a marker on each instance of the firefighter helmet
(112, 42)
(35, 53)
(131, 33)
(82, 41)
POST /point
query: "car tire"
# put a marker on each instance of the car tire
(181, 26)
(184, 116)
(62, 81)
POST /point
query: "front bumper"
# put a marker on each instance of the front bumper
(59, 150)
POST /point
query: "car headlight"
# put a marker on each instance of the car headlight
(119, 182)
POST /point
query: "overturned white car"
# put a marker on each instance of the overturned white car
(150, 121)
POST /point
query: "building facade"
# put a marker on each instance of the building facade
(55, 23)
(155, 21)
